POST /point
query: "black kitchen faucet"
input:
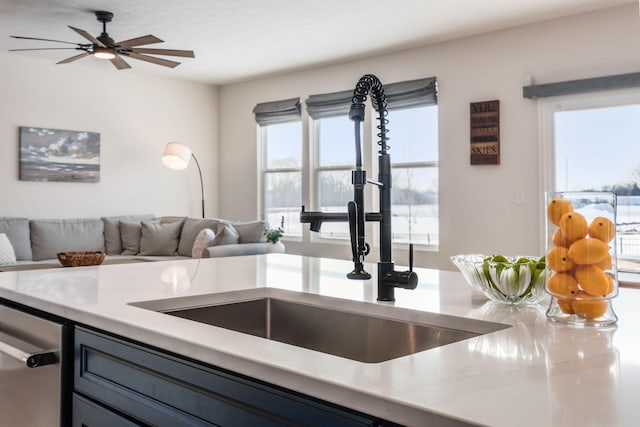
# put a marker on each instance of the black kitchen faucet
(388, 277)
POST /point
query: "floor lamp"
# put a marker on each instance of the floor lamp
(176, 156)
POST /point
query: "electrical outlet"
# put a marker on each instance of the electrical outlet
(518, 198)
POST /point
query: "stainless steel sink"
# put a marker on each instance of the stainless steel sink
(365, 332)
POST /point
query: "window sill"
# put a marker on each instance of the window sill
(629, 280)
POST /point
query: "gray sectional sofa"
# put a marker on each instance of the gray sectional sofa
(130, 238)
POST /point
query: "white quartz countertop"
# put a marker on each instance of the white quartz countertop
(531, 374)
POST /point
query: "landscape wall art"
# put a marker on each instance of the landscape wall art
(59, 155)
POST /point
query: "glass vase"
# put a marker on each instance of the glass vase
(581, 273)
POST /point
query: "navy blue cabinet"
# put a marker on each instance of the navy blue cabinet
(137, 385)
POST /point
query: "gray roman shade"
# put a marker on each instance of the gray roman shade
(407, 94)
(270, 113)
(329, 104)
(411, 93)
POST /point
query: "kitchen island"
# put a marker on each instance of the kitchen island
(533, 373)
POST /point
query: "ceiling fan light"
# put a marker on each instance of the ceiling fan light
(103, 53)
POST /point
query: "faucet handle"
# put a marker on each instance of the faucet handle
(410, 256)
(358, 272)
(353, 227)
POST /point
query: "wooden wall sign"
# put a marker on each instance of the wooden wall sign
(485, 133)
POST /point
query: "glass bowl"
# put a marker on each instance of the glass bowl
(507, 280)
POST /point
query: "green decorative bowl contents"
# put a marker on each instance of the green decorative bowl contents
(505, 279)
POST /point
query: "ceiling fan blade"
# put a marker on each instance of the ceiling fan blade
(44, 40)
(139, 41)
(120, 63)
(87, 36)
(73, 58)
(158, 61)
(46, 48)
(169, 52)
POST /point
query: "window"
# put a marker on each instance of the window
(591, 143)
(334, 161)
(414, 166)
(333, 157)
(282, 175)
(280, 161)
(413, 138)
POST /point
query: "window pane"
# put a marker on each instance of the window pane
(414, 205)
(282, 198)
(597, 149)
(336, 142)
(283, 145)
(334, 192)
(413, 134)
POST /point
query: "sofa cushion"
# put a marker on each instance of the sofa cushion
(167, 219)
(159, 238)
(7, 255)
(190, 230)
(130, 232)
(112, 237)
(17, 231)
(245, 249)
(50, 236)
(204, 239)
(250, 232)
(225, 235)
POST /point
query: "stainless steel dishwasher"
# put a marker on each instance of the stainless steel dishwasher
(32, 381)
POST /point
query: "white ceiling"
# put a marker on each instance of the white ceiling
(237, 40)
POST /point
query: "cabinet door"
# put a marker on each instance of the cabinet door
(87, 413)
(160, 389)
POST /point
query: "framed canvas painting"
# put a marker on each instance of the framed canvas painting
(59, 155)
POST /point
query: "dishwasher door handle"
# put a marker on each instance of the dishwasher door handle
(31, 360)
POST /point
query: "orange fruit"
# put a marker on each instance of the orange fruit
(589, 308)
(573, 225)
(606, 263)
(562, 285)
(588, 251)
(558, 259)
(557, 208)
(565, 305)
(593, 280)
(560, 239)
(602, 228)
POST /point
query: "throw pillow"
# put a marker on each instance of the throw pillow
(225, 235)
(112, 235)
(250, 232)
(17, 231)
(130, 233)
(50, 236)
(203, 240)
(7, 255)
(160, 239)
(190, 230)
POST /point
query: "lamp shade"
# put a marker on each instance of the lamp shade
(176, 156)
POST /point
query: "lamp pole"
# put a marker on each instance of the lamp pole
(201, 183)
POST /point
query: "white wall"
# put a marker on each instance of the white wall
(477, 209)
(135, 115)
